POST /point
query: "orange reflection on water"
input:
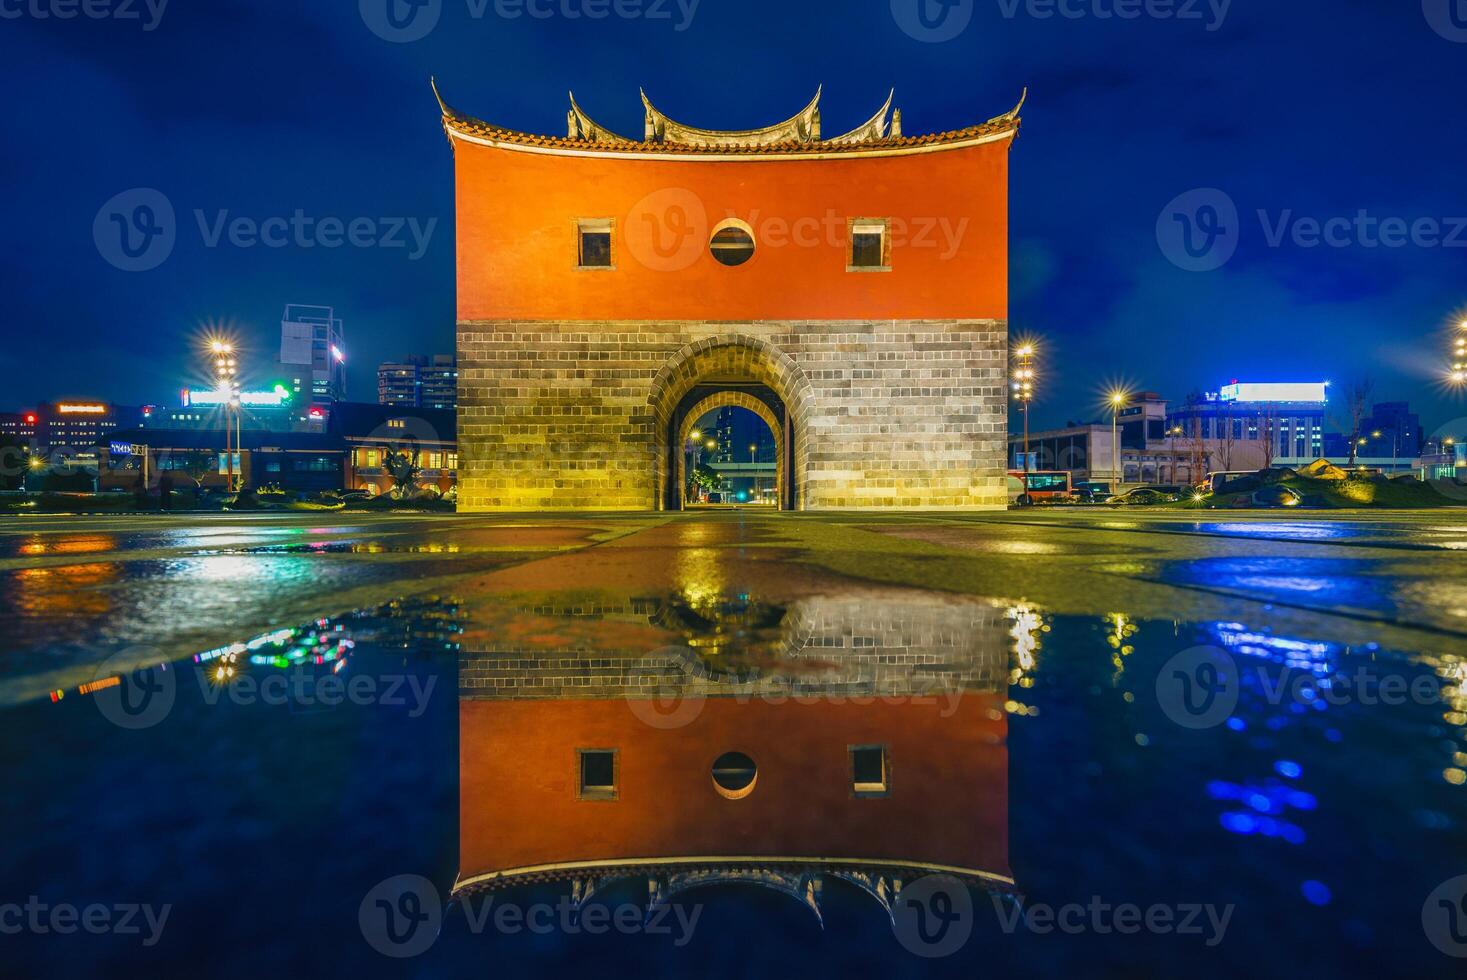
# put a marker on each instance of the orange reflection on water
(65, 590)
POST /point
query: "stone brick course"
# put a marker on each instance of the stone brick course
(886, 414)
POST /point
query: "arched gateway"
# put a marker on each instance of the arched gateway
(850, 291)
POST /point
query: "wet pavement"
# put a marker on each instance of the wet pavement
(742, 743)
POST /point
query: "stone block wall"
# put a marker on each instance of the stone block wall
(887, 414)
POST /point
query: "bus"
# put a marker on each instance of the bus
(1044, 487)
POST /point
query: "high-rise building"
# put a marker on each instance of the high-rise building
(440, 383)
(419, 382)
(398, 381)
(313, 352)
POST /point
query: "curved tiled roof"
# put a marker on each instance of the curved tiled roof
(463, 126)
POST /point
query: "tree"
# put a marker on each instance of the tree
(705, 478)
(1268, 432)
(196, 466)
(403, 465)
(1357, 409)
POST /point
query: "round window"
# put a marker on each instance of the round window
(732, 242)
(734, 775)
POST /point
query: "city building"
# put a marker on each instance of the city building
(66, 429)
(371, 433)
(313, 353)
(299, 461)
(1289, 417)
(346, 448)
(867, 326)
(1392, 430)
(1148, 447)
(419, 382)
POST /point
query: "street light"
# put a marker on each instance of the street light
(226, 381)
(1023, 385)
(1118, 400)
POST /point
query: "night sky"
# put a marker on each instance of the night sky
(1305, 109)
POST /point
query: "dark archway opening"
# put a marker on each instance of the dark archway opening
(750, 432)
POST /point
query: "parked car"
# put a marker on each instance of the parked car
(1141, 496)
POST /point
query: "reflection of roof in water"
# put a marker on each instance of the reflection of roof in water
(802, 879)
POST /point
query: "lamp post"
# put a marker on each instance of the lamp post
(226, 382)
(1458, 374)
(695, 441)
(1023, 385)
(1117, 402)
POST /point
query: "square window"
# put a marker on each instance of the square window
(869, 775)
(593, 243)
(596, 776)
(870, 245)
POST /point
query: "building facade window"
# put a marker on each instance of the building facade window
(870, 249)
(594, 245)
(596, 774)
(732, 243)
(869, 771)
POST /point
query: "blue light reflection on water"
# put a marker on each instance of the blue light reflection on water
(1315, 581)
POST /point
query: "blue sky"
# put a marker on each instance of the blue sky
(1305, 110)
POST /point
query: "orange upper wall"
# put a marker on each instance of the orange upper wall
(948, 802)
(517, 236)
